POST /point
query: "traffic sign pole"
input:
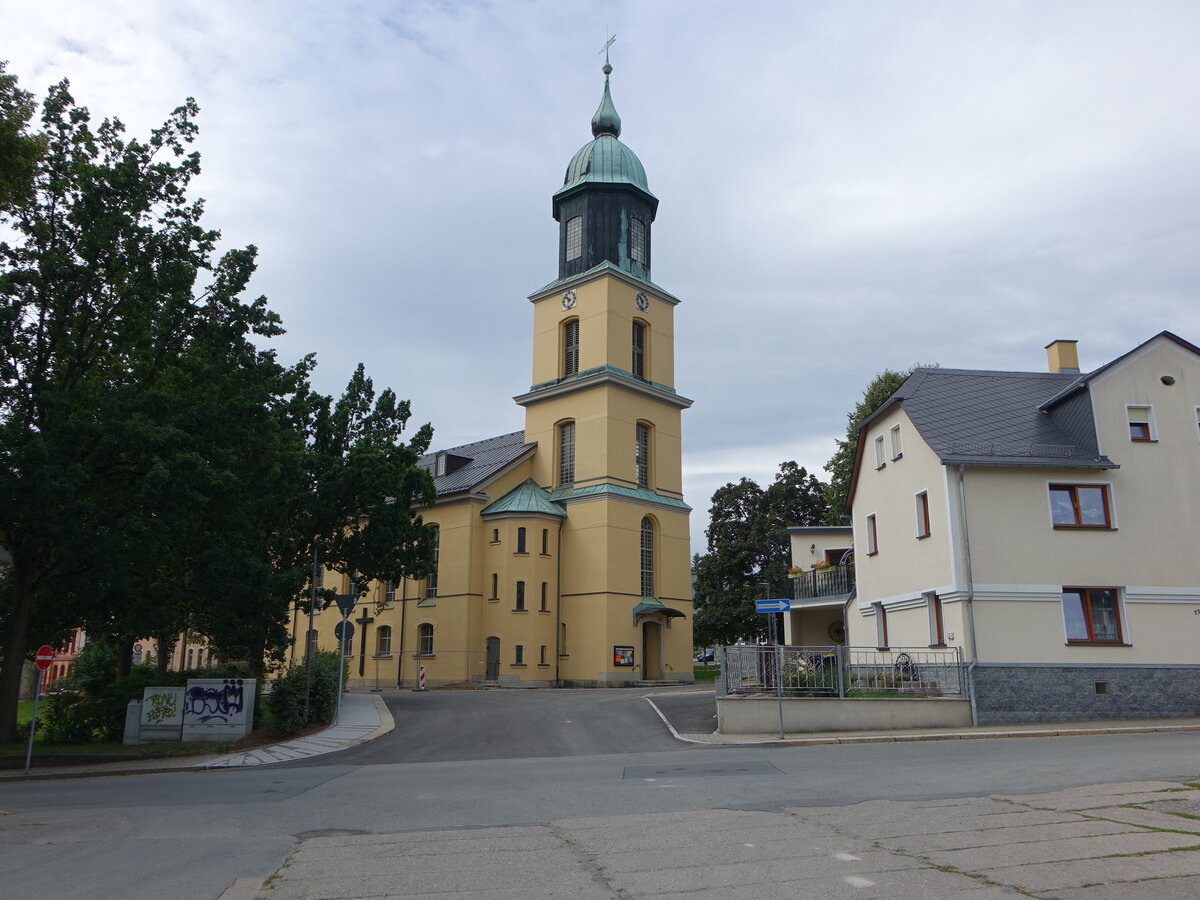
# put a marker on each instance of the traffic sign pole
(45, 656)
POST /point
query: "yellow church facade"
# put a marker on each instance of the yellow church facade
(563, 548)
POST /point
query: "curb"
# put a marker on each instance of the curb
(885, 738)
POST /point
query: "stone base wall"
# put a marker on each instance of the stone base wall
(1008, 694)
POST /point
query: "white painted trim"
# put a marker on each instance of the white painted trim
(1149, 407)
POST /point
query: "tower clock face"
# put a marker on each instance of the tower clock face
(568, 301)
(642, 302)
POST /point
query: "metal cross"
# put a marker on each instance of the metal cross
(607, 44)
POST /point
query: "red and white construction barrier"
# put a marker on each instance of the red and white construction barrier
(421, 678)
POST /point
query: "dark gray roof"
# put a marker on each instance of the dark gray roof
(993, 419)
(477, 462)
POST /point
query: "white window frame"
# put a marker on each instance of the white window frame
(879, 459)
(897, 447)
(881, 635)
(924, 527)
(1152, 426)
(872, 527)
(937, 618)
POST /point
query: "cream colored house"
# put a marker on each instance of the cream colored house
(1047, 524)
(563, 547)
(823, 588)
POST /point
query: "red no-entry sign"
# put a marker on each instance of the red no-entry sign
(45, 656)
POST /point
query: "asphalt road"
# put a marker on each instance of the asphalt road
(502, 758)
(441, 726)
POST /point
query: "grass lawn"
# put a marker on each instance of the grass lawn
(704, 674)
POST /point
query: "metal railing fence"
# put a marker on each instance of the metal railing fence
(838, 671)
(833, 581)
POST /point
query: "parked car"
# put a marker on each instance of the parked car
(706, 656)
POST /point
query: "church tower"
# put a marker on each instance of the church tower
(605, 415)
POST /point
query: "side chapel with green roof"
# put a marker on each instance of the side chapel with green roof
(563, 548)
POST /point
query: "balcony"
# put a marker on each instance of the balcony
(836, 582)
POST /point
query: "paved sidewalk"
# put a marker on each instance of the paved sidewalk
(1138, 841)
(364, 717)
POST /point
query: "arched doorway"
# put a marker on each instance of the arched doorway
(492, 669)
(651, 651)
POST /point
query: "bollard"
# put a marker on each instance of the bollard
(420, 679)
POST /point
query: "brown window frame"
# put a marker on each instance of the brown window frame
(1073, 491)
(923, 514)
(1085, 603)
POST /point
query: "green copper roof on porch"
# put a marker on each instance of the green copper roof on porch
(527, 497)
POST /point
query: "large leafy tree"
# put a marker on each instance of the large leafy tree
(841, 465)
(158, 471)
(748, 551)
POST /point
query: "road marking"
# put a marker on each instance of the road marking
(855, 881)
(846, 857)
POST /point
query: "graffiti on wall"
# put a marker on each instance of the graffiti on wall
(215, 703)
(163, 708)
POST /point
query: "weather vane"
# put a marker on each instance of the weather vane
(604, 49)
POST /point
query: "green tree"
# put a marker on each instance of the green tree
(841, 465)
(748, 551)
(102, 339)
(19, 149)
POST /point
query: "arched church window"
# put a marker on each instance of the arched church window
(425, 639)
(383, 640)
(574, 238)
(641, 454)
(637, 240)
(647, 557)
(570, 346)
(566, 453)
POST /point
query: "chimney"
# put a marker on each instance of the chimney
(1063, 357)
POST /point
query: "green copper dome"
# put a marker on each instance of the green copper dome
(605, 159)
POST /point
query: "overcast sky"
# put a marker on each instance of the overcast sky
(844, 187)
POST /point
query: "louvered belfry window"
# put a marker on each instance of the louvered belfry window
(570, 347)
(574, 238)
(639, 349)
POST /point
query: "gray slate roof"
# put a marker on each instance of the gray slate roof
(486, 459)
(993, 418)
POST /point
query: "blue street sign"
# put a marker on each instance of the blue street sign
(343, 630)
(772, 606)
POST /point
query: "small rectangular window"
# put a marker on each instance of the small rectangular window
(637, 240)
(881, 626)
(923, 514)
(542, 657)
(1091, 615)
(1141, 423)
(937, 632)
(1080, 506)
(879, 461)
(897, 450)
(520, 604)
(545, 542)
(519, 655)
(495, 535)
(545, 597)
(495, 586)
(521, 539)
(872, 536)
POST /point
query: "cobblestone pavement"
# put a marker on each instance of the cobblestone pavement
(1138, 841)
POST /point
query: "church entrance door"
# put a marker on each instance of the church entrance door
(651, 651)
(493, 660)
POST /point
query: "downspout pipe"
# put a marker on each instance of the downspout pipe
(970, 617)
(558, 609)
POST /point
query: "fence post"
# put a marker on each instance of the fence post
(779, 685)
(841, 670)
